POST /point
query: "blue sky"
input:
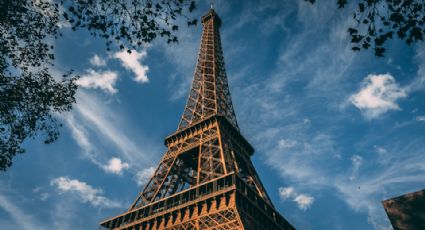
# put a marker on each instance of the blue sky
(335, 132)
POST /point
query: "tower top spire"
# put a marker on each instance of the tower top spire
(209, 95)
(211, 15)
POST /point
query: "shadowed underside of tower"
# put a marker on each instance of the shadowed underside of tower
(206, 179)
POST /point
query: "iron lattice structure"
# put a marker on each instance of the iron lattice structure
(206, 179)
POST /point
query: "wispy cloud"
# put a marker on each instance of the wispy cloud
(64, 214)
(379, 183)
(182, 58)
(114, 165)
(304, 160)
(42, 195)
(380, 150)
(311, 78)
(143, 176)
(105, 123)
(356, 161)
(418, 82)
(383, 174)
(84, 191)
(286, 144)
(420, 118)
(378, 94)
(98, 130)
(131, 61)
(103, 80)
(80, 135)
(23, 220)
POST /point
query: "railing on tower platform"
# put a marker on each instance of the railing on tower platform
(255, 205)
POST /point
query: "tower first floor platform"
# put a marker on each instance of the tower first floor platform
(223, 203)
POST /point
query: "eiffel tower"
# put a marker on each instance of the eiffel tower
(206, 179)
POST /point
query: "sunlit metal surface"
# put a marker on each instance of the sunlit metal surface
(206, 179)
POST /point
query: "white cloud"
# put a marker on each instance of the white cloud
(103, 80)
(79, 133)
(380, 150)
(64, 24)
(143, 176)
(84, 191)
(116, 166)
(97, 61)
(131, 61)
(81, 137)
(420, 118)
(286, 192)
(42, 195)
(418, 82)
(356, 162)
(286, 143)
(304, 201)
(378, 95)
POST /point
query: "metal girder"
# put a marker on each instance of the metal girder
(206, 206)
(205, 153)
(206, 179)
(209, 94)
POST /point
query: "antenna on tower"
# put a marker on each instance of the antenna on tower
(212, 4)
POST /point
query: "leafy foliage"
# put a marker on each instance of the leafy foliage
(380, 20)
(30, 94)
(26, 107)
(131, 22)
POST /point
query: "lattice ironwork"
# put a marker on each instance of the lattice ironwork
(209, 94)
(206, 179)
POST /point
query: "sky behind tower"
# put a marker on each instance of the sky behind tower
(335, 132)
